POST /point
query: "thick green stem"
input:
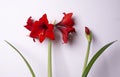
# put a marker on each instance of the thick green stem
(49, 59)
(86, 57)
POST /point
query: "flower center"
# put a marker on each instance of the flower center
(43, 26)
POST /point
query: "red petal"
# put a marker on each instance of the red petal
(29, 24)
(50, 26)
(35, 31)
(49, 32)
(65, 33)
(42, 36)
(67, 20)
(67, 17)
(43, 19)
(34, 34)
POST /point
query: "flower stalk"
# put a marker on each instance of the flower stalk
(89, 38)
(86, 57)
(49, 59)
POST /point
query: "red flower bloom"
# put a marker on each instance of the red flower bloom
(66, 26)
(41, 29)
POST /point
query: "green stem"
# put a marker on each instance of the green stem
(86, 57)
(49, 59)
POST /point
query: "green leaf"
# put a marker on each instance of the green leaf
(28, 65)
(94, 58)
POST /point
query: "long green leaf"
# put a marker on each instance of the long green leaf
(28, 65)
(94, 58)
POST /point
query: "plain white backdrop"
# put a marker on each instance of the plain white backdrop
(101, 16)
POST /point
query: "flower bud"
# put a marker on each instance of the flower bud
(88, 34)
(87, 31)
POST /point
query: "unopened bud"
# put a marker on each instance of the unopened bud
(87, 31)
(88, 34)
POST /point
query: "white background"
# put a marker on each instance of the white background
(101, 16)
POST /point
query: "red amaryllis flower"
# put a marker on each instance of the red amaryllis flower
(41, 29)
(66, 26)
